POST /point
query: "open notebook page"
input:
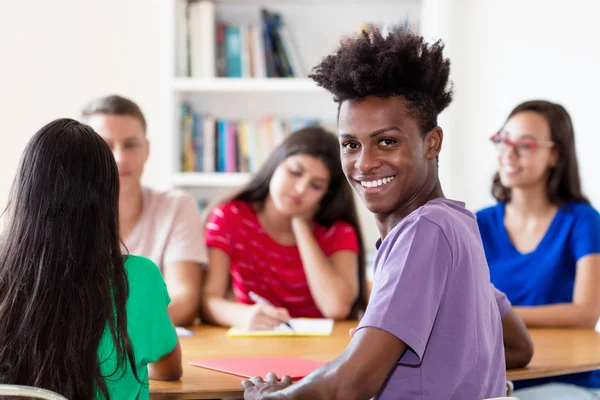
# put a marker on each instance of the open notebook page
(302, 327)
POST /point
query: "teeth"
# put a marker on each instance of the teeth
(377, 182)
(509, 169)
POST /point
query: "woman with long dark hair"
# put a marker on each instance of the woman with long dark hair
(542, 239)
(289, 242)
(76, 316)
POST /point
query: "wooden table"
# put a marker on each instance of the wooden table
(210, 341)
(557, 352)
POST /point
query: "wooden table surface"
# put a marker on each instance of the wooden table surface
(557, 352)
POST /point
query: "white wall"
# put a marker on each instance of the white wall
(518, 50)
(58, 54)
(448, 20)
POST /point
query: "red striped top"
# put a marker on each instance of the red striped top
(259, 264)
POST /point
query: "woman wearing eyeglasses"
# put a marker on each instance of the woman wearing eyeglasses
(542, 239)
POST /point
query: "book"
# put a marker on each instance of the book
(182, 39)
(188, 160)
(258, 52)
(281, 57)
(221, 51)
(301, 326)
(202, 31)
(233, 46)
(291, 50)
(209, 144)
(198, 138)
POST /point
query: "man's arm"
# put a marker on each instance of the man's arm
(357, 374)
(183, 257)
(518, 346)
(184, 283)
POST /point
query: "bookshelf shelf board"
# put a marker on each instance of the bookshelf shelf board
(311, 2)
(256, 85)
(205, 179)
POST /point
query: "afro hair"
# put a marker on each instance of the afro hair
(400, 64)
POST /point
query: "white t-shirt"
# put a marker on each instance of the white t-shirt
(169, 229)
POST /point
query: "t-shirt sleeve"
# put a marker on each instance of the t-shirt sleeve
(220, 227)
(409, 286)
(185, 242)
(502, 301)
(150, 313)
(586, 232)
(340, 236)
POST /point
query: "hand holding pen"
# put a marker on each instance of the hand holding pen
(266, 315)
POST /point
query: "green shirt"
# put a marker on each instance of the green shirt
(150, 330)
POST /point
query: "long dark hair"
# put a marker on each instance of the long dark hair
(563, 181)
(62, 275)
(336, 205)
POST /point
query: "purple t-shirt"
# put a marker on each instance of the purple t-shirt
(432, 290)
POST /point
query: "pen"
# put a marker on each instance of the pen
(261, 300)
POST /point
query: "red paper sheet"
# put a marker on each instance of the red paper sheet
(295, 368)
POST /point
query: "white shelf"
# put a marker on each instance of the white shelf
(207, 179)
(311, 2)
(249, 85)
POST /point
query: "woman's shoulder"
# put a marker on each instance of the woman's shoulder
(336, 229)
(233, 208)
(490, 211)
(580, 207)
(141, 269)
(582, 211)
(166, 199)
(342, 226)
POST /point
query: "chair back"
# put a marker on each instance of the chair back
(503, 398)
(28, 391)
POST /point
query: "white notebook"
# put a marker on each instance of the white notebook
(301, 327)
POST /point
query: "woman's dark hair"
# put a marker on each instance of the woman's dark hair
(62, 275)
(336, 205)
(114, 105)
(563, 181)
(399, 64)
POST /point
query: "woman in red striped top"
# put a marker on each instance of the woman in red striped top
(291, 236)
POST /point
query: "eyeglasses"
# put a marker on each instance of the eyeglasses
(524, 148)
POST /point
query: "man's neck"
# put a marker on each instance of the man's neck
(386, 222)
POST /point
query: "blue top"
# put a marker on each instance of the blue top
(546, 275)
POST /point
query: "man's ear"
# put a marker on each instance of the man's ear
(433, 142)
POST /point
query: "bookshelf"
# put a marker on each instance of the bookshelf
(316, 26)
(214, 179)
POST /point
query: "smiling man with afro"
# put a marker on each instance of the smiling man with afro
(433, 328)
(400, 64)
